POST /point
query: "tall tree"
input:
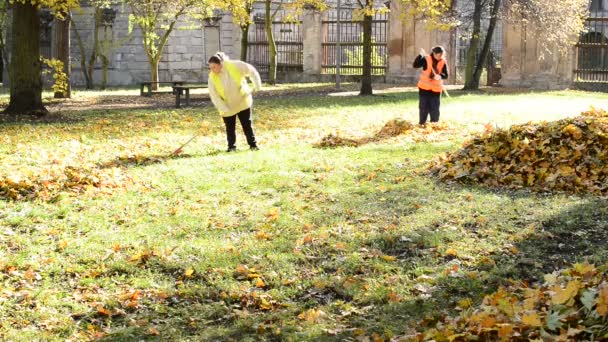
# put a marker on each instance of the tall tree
(557, 22)
(474, 45)
(241, 11)
(61, 52)
(3, 31)
(272, 45)
(157, 20)
(25, 64)
(368, 11)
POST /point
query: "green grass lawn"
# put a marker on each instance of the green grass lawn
(288, 243)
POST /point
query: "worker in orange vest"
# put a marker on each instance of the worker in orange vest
(430, 85)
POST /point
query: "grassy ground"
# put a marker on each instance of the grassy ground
(287, 243)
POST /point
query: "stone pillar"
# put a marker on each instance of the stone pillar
(312, 37)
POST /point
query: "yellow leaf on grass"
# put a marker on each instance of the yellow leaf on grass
(116, 247)
(340, 246)
(388, 258)
(311, 315)
(451, 252)
(259, 283)
(62, 244)
(531, 319)
(465, 303)
(562, 296)
(584, 269)
(188, 273)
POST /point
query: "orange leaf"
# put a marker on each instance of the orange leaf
(307, 240)
(102, 311)
(393, 297)
(262, 236)
(259, 283)
(116, 247)
(273, 214)
(602, 300)
(153, 331)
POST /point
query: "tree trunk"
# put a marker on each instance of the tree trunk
(104, 71)
(485, 51)
(61, 51)
(154, 62)
(244, 42)
(272, 46)
(95, 50)
(469, 82)
(366, 79)
(26, 80)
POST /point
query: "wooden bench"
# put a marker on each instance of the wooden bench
(149, 85)
(179, 90)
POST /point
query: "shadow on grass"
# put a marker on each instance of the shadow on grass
(577, 234)
(141, 160)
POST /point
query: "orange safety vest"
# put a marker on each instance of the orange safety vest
(427, 82)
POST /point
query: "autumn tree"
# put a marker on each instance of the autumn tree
(156, 20)
(25, 63)
(87, 64)
(557, 22)
(241, 11)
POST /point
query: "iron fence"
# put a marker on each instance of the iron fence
(351, 43)
(592, 48)
(288, 39)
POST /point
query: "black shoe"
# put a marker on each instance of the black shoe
(254, 148)
(231, 149)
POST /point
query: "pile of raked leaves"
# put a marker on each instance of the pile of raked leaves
(569, 155)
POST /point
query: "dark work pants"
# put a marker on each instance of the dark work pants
(246, 123)
(429, 104)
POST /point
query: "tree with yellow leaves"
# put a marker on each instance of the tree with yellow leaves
(25, 63)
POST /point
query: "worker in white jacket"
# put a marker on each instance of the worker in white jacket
(231, 95)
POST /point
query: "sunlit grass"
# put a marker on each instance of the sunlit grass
(346, 242)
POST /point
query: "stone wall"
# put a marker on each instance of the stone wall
(184, 58)
(525, 64)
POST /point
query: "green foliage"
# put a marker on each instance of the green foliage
(61, 78)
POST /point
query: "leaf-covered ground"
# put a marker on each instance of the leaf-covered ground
(110, 237)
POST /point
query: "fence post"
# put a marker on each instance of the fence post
(312, 37)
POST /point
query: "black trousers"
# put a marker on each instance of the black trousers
(246, 123)
(429, 104)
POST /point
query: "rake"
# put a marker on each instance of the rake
(179, 149)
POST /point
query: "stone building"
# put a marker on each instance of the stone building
(308, 48)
